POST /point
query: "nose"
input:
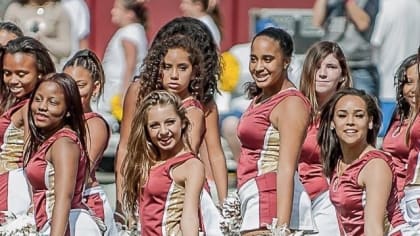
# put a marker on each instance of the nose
(259, 65)
(350, 120)
(163, 131)
(42, 106)
(322, 72)
(174, 74)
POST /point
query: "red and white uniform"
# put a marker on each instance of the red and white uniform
(257, 167)
(162, 199)
(316, 184)
(395, 144)
(210, 216)
(40, 174)
(95, 197)
(410, 204)
(349, 198)
(16, 199)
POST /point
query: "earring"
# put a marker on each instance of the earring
(332, 127)
(68, 114)
(285, 66)
(94, 97)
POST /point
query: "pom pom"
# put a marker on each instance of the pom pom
(18, 225)
(230, 224)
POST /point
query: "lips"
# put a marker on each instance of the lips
(40, 117)
(173, 85)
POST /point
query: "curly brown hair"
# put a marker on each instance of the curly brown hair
(152, 76)
(199, 33)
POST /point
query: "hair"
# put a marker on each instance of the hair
(285, 43)
(139, 10)
(75, 120)
(152, 78)
(30, 46)
(24, 2)
(314, 57)
(88, 60)
(327, 138)
(201, 36)
(11, 28)
(143, 153)
(415, 113)
(402, 110)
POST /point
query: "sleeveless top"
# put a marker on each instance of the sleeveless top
(91, 115)
(40, 173)
(394, 143)
(349, 199)
(309, 166)
(413, 167)
(11, 140)
(162, 199)
(259, 139)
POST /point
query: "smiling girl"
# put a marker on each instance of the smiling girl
(166, 177)
(324, 72)
(86, 69)
(268, 183)
(56, 158)
(362, 186)
(23, 62)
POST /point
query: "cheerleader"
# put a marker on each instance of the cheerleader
(86, 69)
(163, 177)
(56, 159)
(324, 72)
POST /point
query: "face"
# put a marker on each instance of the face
(119, 14)
(165, 129)
(328, 76)
(84, 81)
(187, 8)
(5, 37)
(177, 72)
(351, 120)
(49, 107)
(20, 73)
(409, 87)
(266, 63)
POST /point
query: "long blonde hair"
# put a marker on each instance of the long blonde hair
(142, 154)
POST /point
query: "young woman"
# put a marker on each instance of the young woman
(125, 51)
(324, 72)
(86, 69)
(394, 141)
(362, 185)
(23, 62)
(268, 183)
(411, 201)
(216, 165)
(162, 175)
(56, 158)
(8, 31)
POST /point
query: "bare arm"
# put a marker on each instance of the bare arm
(129, 109)
(216, 155)
(196, 118)
(97, 141)
(292, 123)
(130, 53)
(376, 177)
(84, 43)
(319, 12)
(191, 173)
(357, 15)
(64, 156)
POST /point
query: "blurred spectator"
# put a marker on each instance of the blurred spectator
(396, 36)
(199, 9)
(80, 23)
(125, 51)
(45, 20)
(9, 31)
(3, 7)
(350, 24)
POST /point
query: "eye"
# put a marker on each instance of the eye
(268, 59)
(166, 66)
(21, 74)
(252, 59)
(37, 99)
(153, 126)
(6, 73)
